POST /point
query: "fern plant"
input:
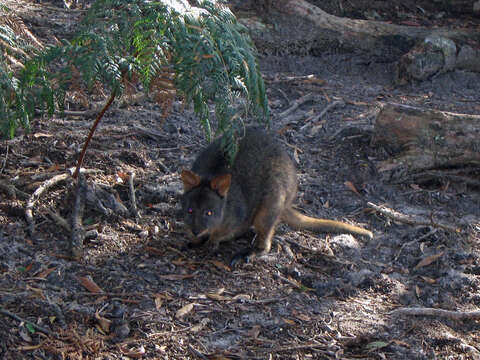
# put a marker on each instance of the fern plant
(17, 45)
(202, 52)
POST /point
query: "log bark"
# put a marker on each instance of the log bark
(423, 139)
(380, 39)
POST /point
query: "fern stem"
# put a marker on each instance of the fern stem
(92, 130)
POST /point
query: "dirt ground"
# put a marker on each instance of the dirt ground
(316, 296)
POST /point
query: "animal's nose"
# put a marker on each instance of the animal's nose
(195, 232)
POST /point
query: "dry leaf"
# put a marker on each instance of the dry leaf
(123, 176)
(242, 297)
(254, 331)
(418, 292)
(303, 317)
(401, 343)
(218, 297)
(387, 166)
(200, 325)
(351, 187)
(40, 134)
(135, 353)
(154, 251)
(89, 284)
(45, 273)
(428, 260)
(30, 347)
(220, 265)
(184, 311)
(103, 323)
(295, 156)
(428, 280)
(158, 302)
(288, 321)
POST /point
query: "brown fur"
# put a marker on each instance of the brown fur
(222, 202)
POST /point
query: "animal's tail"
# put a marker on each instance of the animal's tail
(297, 220)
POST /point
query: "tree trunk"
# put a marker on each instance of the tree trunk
(423, 139)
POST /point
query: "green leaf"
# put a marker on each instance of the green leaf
(30, 328)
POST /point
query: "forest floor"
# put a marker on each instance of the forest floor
(316, 296)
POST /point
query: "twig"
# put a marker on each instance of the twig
(59, 220)
(36, 195)
(317, 117)
(296, 104)
(35, 326)
(196, 352)
(133, 200)
(295, 284)
(92, 130)
(294, 347)
(78, 233)
(308, 78)
(297, 244)
(452, 315)
(169, 332)
(110, 294)
(151, 133)
(431, 232)
(407, 219)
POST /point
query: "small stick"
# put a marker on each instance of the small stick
(59, 220)
(431, 232)
(296, 105)
(294, 347)
(133, 200)
(78, 233)
(322, 113)
(18, 318)
(453, 315)
(407, 219)
(36, 195)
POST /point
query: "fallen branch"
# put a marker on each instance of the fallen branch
(452, 315)
(422, 139)
(296, 105)
(36, 195)
(411, 220)
(377, 37)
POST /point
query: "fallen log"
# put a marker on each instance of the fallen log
(423, 139)
(381, 39)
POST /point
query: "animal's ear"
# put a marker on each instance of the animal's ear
(221, 184)
(190, 180)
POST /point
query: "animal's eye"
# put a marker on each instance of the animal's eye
(190, 210)
(209, 212)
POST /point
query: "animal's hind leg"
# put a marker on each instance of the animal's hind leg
(265, 221)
